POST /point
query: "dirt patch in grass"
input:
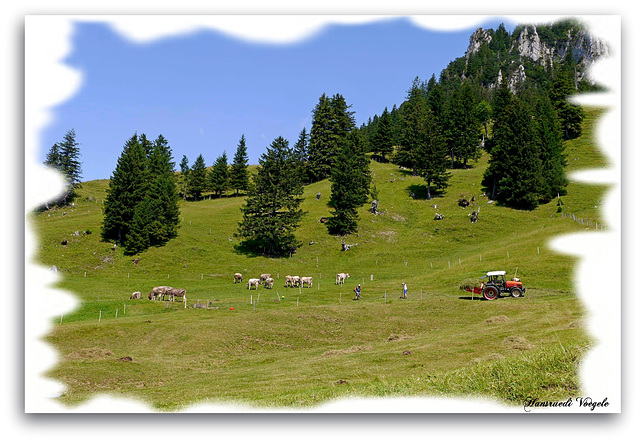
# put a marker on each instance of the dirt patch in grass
(321, 318)
(388, 235)
(517, 343)
(345, 351)
(397, 337)
(496, 319)
(89, 353)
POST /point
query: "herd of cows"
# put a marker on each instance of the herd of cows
(166, 293)
(289, 281)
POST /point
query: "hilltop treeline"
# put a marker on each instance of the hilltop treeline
(492, 100)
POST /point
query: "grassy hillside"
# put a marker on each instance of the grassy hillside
(301, 347)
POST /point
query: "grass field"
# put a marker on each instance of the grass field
(290, 347)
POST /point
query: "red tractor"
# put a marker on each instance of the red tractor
(496, 285)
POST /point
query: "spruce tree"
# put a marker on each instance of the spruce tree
(219, 175)
(515, 168)
(301, 155)
(65, 158)
(350, 182)
(184, 175)
(462, 127)
(332, 121)
(239, 173)
(551, 147)
(382, 140)
(571, 115)
(271, 212)
(128, 186)
(197, 180)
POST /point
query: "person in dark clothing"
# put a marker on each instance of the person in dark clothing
(357, 291)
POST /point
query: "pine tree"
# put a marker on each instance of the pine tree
(332, 121)
(271, 212)
(515, 168)
(197, 180)
(571, 115)
(463, 128)
(239, 173)
(551, 147)
(219, 175)
(350, 182)
(128, 186)
(301, 155)
(423, 146)
(184, 175)
(65, 158)
(382, 140)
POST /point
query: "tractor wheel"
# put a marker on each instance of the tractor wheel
(490, 293)
(516, 292)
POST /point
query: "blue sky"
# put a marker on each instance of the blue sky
(203, 90)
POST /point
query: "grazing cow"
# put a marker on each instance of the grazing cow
(253, 282)
(307, 280)
(264, 277)
(462, 202)
(136, 295)
(296, 281)
(438, 217)
(237, 278)
(176, 293)
(158, 292)
(340, 277)
(288, 281)
(268, 283)
(474, 217)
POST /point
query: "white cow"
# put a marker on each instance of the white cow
(237, 278)
(340, 277)
(253, 282)
(136, 295)
(268, 283)
(288, 281)
(264, 277)
(307, 280)
(295, 281)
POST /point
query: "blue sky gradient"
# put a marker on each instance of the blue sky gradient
(202, 91)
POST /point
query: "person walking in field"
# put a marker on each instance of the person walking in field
(404, 290)
(357, 291)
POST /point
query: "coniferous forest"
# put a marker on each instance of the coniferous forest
(480, 103)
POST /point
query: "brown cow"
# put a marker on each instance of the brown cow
(158, 292)
(288, 281)
(264, 277)
(237, 278)
(268, 283)
(176, 293)
(136, 295)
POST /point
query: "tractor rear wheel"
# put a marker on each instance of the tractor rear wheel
(516, 292)
(490, 293)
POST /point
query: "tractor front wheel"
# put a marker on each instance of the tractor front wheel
(490, 293)
(516, 292)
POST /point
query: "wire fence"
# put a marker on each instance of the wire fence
(584, 221)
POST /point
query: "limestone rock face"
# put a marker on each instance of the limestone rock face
(528, 47)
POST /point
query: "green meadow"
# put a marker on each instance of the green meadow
(301, 347)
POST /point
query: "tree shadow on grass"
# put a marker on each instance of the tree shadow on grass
(419, 192)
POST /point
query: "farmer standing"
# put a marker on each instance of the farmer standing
(357, 291)
(404, 290)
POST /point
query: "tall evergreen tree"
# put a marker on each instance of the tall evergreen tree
(184, 176)
(271, 212)
(514, 175)
(128, 186)
(197, 180)
(571, 115)
(423, 145)
(332, 121)
(65, 158)
(551, 147)
(350, 182)
(239, 173)
(301, 154)
(382, 140)
(219, 175)
(463, 128)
